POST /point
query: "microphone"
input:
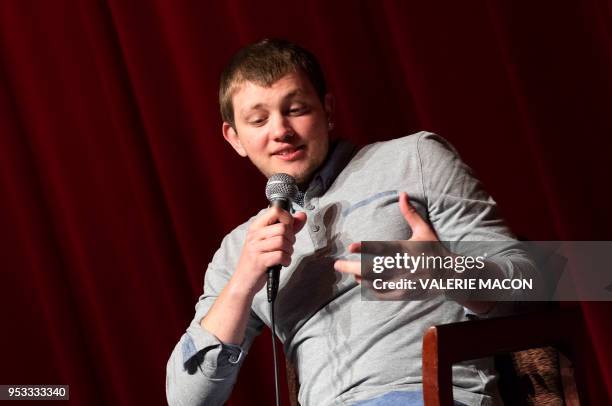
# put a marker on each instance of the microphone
(281, 189)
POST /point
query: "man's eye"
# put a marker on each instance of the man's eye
(257, 121)
(297, 110)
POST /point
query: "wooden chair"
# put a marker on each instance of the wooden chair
(533, 340)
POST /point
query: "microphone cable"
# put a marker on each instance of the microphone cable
(273, 323)
(281, 189)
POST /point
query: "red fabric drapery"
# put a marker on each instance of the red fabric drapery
(117, 186)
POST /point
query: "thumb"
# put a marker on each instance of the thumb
(355, 248)
(414, 220)
(299, 219)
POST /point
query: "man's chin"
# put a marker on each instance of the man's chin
(302, 178)
(302, 172)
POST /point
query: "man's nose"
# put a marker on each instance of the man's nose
(281, 130)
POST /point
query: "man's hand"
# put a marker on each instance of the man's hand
(269, 241)
(421, 231)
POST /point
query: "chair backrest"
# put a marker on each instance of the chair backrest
(537, 367)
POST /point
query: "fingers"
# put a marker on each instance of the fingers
(278, 215)
(270, 239)
(355, 248)
(299, 220)
(274, 230)
(271, 216)
(276, 243)
(260, 230)
(350, 267)
(346, 266)
(414, 220)
(270, 259)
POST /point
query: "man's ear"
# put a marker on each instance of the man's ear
(231, 136)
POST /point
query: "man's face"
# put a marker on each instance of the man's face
(281, 128)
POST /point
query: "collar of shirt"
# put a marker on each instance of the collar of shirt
(340, 153)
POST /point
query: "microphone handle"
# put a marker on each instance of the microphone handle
(274, 271)
(273, 276)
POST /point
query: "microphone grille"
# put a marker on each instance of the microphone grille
(281, 186)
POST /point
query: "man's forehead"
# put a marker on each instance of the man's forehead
(252, 95)
(259, 103)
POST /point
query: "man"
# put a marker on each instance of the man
(276, 111)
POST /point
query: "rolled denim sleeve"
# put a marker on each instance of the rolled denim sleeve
(202, 369)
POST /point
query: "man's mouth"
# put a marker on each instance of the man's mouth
(290, 153)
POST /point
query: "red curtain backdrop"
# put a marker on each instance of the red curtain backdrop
(117, 186)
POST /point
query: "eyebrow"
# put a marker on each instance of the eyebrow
(291, 94)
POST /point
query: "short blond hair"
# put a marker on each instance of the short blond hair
(263, 63)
